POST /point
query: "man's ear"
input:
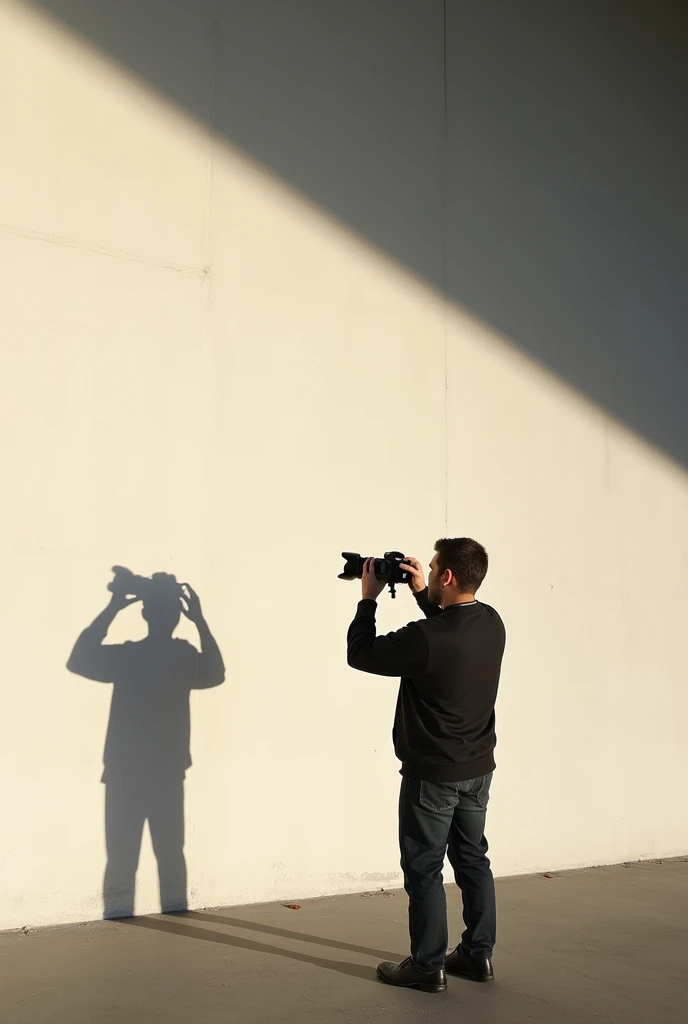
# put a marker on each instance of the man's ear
(447, 578)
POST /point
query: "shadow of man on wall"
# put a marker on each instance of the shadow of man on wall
(147, 747)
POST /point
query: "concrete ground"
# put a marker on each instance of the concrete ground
(604, 945)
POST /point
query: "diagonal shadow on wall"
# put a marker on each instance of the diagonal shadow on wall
(539, 182)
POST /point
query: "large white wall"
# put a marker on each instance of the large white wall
(210, 373)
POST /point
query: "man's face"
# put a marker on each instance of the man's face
(434, 582)
(162, 616)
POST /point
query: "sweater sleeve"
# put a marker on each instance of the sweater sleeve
(426, 606)
(402, 653)
(92, 659)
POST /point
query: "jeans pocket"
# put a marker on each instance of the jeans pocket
(474, 795)
(439, 796)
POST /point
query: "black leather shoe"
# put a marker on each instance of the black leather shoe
(407, 975)
(466, 966)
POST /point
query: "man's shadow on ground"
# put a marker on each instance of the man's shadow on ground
(147, 748)
(184, 927)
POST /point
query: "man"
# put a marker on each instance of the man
(444, 735)
(147, 748)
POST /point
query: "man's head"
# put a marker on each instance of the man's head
(161, 605)
(457, 569)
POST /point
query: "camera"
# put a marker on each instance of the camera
(159, 586)
(385, 568)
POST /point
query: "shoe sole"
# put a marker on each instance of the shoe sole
(419, 987)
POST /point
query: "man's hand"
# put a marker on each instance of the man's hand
(372, 587)
(119, 601)
(191, 604)
(415, 570)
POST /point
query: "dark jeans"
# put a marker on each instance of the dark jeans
(436, 818)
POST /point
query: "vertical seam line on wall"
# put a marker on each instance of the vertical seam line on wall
(211, 168)
(445, 158)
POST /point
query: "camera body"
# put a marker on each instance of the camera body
(385, 568)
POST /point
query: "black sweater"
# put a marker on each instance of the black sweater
(444, 728)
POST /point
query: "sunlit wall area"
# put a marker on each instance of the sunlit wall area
(213, 369)
(206, 376)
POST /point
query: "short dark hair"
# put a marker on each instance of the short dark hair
(467, 560)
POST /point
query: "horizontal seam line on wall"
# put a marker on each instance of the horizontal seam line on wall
(101, 250)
